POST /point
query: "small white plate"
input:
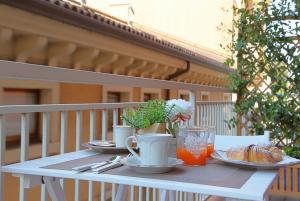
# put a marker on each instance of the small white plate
(101, 143)
(105, 147)
(136, 166)
(287, 160)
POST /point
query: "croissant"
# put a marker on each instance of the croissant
(256, 154)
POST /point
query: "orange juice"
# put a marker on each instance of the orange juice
(210, 149)
(189, 158)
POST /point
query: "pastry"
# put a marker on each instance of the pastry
(256, 154)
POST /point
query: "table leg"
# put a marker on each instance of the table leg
(121, 193)
(54, 189)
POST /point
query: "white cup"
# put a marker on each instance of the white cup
(153, 148)
(121, 133)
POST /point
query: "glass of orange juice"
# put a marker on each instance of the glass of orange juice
(211, 140)
(192, 145)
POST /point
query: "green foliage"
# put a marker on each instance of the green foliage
(146, 114)
(266, 53)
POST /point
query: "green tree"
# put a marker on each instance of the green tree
(266, 51)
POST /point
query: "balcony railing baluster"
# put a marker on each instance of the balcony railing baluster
(77, 147)
(154, 194)
(45, 143)
(140, 193)
(103, 192)
(24, 151)
(113, 191)
(92, 137)
(131, 193)
(104, 124)
(115, 117)
(123, 122)
(63, 137)
(2, 153)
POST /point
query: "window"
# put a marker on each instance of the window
(204, 96)
(150, 96)
(13, 126)
(184, 97)
(112, 97)
(227, 97)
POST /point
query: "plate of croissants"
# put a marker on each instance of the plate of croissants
(255, 156)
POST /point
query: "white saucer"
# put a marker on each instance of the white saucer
(101, 143)
(105, 147)
(136, 166)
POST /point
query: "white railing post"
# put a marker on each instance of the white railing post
(2, 154)
(45, 142)
(92, 137)
(123, 122)
(147, 194)
(154, 194)
(103, 137)
(140, 193)
(113, 191)
(102, 193)
(92, 125)
(131, 193)
(78, 141)
(193, 98)
(63, 137)
(63, 131)
(24, 151)
(115, 117)
(104, 124)
(115, 123)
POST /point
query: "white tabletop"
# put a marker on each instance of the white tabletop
(254, 189)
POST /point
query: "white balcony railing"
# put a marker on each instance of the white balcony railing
(206, 113)
(216, 114)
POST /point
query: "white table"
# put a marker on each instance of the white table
(255, 188)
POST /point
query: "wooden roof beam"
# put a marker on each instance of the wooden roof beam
(83, 55)
(59, 50)
(136, 67)
(170, 71)
(105, 59)
(120, 65)
(162, 69)
(203, 79)
(183, 77)
(149, 69)
(194, 77)
(5, 35)
(25, 46)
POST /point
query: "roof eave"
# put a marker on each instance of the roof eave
(100, 24)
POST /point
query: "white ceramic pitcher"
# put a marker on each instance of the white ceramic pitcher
(153, 147)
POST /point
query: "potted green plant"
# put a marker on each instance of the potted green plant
(149, 117)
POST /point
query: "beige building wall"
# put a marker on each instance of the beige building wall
(193, 21)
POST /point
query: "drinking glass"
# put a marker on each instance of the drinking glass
(192, 145)
(211, 140)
